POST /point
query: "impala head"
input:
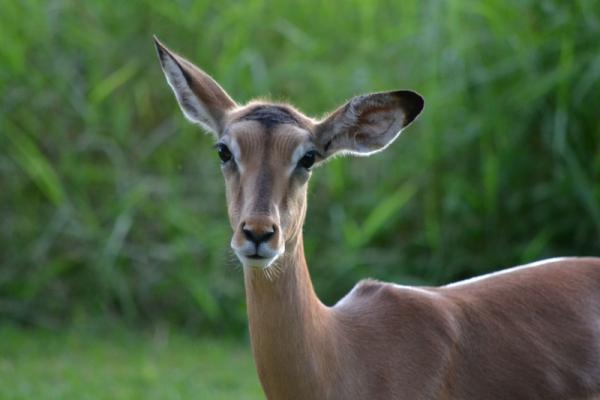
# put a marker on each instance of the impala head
(268, 151)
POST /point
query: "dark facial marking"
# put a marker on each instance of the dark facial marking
(270, 116)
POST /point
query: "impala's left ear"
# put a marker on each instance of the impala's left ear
(368, 123)
(200, 97)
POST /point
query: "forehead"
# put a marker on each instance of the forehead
(268, 127)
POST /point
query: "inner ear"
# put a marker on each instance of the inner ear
(368, 123)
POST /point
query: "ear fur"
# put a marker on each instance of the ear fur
(200, 97)
(368, 123)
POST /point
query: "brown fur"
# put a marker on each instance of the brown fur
(530, 333)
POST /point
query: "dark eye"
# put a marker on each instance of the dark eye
(307, 160)
(224, 153)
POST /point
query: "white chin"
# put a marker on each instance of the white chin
(256, 262)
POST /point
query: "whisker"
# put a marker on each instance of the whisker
(267, 273)
(273, 271)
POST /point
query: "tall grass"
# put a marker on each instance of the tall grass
(111, 205)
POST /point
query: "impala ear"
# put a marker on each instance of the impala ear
(367, 124)
(200, 97)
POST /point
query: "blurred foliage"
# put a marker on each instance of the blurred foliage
(112, 205)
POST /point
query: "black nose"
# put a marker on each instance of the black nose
(257, 236)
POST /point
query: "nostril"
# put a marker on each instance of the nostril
(266, 236)
(248, 234)
(257, 237)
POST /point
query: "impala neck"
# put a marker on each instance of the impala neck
(289, 327)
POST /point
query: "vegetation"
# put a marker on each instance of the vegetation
(111, 204)
(80, 365)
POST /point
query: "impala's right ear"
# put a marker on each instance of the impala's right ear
(201, 99)
(367, 124)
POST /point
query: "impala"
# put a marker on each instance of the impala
(530, 332)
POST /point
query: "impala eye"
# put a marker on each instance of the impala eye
(224, 152)
(307, 160)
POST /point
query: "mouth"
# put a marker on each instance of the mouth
(256, 261)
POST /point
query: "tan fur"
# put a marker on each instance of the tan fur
(529, 333)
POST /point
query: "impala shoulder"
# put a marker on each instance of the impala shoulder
(393, 311)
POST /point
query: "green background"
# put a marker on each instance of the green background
(112, 209)
(116, 280)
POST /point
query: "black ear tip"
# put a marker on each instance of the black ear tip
(412, 103)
